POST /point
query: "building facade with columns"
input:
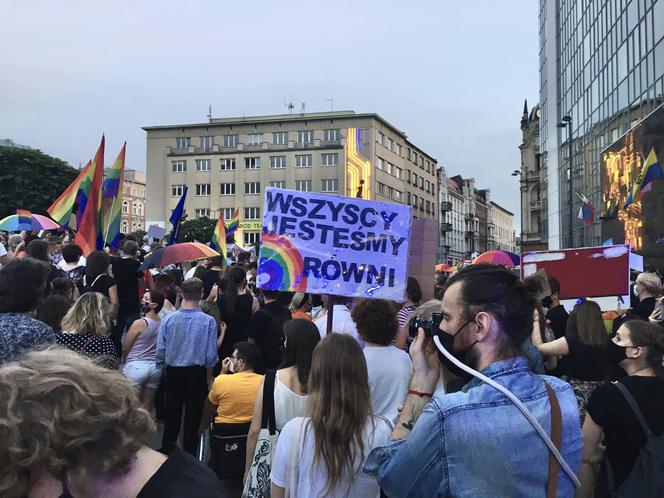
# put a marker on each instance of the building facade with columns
(227, 164)
(134, 201)
(533, 183)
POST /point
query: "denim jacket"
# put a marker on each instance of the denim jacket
(476, 443)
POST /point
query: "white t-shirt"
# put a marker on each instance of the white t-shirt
(312, 480)
(342, 323)
(390, 370)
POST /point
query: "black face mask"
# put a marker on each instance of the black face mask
(547, 301)
(447, 340)
(145, 307)
(615, 354)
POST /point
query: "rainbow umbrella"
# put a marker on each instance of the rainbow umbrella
(443, 267)
(178, 253)
(16, 223)
(504, 258)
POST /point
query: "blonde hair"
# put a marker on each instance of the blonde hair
(91, 314)
(58, 414)
(651, 282)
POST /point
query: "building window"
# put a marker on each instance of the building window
(207, 143)
(329, 185)
(202, 213)
(252, 188)
(397, 195)
(415, 199)
(255, 139)
(125, 207)
(227, 164)
(396, 149)
(203, 164)
(252, 213)
(139, 209)
(227, 189)
(251, 238)
(303, 185)
(421, 184)
(182, 142)
(390, 144)
(125, 226)
(428, 206)
(228, 213)
(179, 166)
(252, 163)
(177, 190)
(421, 162)
(278, 184)
(330, 159)
(331, 135)
(280, 138)
(230, 140)
(381, 138)
(202, 189)
(277, 162)
(303, 160)
(305, 137)
(414, 158)
(396, 171)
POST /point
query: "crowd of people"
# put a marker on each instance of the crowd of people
(121, 381)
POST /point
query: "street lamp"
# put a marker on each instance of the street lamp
(566, 122)
(518, 173)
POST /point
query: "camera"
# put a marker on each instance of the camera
(430, 326)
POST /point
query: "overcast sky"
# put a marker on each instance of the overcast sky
(451, 74)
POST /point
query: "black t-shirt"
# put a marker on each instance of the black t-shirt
(126, 273)
(100, 284)
(644, 308)
(266, 327)
(182, 475)
(623, 434)
(237, 325)
(583, 362)
(558, 318)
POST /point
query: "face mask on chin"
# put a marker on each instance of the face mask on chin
(447, 340)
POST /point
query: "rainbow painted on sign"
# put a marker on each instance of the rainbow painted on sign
(281, 265)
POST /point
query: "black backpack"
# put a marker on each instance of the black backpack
(646, 480)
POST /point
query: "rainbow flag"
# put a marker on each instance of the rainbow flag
(76, 193)
(234, 224)
(218, 242)
(111, 204)
(86, 237)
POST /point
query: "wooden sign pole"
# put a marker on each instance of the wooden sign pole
(330, 313)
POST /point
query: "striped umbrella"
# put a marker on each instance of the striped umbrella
(504, 258)
(16, 223)
(178, 253)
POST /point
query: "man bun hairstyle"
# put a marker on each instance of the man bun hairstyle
(497, 290)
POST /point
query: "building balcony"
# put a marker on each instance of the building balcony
(533, 175)
(445, 206)
(445, 227)
(536, 205)
(470, 234)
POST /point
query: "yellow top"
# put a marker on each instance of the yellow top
(234, 395)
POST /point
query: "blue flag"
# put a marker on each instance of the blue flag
(176, 217)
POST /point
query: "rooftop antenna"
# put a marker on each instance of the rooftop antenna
(209, 114)
(331, 101)
(290, 106)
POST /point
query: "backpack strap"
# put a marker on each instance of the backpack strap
(635, 408)
(268, 419)
(556, 437)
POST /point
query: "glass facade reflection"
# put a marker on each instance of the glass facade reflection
(608, 76)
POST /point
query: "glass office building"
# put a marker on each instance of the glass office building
(602, 65)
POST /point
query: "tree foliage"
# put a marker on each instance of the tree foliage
(197, 230)
(31, 180)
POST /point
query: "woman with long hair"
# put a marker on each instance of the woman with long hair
(290, 382)
(612, 427)
(583, 347)
(323, 454)
(98, 278)
(86, 329)
(414, 299)
(139, 348)
(236, 306)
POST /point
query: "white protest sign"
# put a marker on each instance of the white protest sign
(329, 244)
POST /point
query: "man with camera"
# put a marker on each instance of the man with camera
(477, 442)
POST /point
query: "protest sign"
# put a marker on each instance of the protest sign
(328, 244)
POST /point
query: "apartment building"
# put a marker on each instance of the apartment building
(501, 228)
(134, 199)
(228, 163)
